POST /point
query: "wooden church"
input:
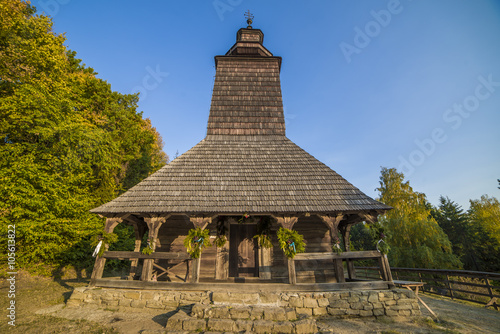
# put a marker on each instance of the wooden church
(245, 179)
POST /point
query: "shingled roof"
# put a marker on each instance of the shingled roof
(245, 164)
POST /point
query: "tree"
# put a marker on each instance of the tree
(484, 216)
(415, 238)
(486, 212)
(68, 142)
(457, 226)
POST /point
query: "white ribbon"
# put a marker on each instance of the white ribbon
(97, 248)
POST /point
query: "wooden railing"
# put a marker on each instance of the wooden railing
(384, 277)
(338, 259)
(475, 286)
(149, 263)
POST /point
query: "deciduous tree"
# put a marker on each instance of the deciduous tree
(415, 238)
(68, 142)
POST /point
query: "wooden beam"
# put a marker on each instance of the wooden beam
(332, 222)
(248, 287)
(345, 255)
(153, 256)
(100, 261)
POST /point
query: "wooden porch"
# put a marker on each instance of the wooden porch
(342, 264)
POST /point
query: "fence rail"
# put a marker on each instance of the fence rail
(475, 286)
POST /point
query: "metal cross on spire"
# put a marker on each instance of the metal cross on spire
(249, 17)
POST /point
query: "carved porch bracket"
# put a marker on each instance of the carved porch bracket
(201, 222)
(332, 222)
(286, 221)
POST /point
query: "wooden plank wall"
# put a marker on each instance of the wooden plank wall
(173, 232)
(317, 239)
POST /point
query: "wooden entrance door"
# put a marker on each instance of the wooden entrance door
(243, 251)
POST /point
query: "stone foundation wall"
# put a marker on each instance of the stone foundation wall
(272, 312)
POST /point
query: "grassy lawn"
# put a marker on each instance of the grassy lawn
(35, 293)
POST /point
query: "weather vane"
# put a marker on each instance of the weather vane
(249, 17)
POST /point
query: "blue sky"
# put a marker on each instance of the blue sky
(408, 84)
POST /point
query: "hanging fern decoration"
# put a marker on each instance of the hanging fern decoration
(264, 240)
(291, 242)
(103, 239)
(263, 235)
(220, 241)
(148, 250)
(196, 240)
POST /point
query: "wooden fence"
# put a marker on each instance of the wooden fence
(475, 286)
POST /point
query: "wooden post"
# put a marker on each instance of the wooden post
(385, 269)
(222, 259)
(492, 301)
(448, 285)
(139, 231)
(195, 273)
(265, 263)
(332, 222)
(345, 231)
(154, 224)
(200, 222)
(339, 270)
(292, 275)
(109, 226)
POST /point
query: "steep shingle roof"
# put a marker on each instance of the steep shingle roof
(245, 163)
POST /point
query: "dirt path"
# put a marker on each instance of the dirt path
(463, 317)
(41, 310)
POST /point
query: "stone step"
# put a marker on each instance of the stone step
(181, 323)
(201, 311)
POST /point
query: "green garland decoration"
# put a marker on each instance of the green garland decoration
(148, 250)
(336, 248)
(383, 247)
(243, 218)
(221, 239)
(291, 242)
(106, 238)
(263, 235)
(196, 240)
(264, 240)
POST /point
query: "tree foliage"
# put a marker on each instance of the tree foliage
(476, 247)
(415, 238)
(68, 142)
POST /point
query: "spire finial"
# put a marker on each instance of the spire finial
(249, 17)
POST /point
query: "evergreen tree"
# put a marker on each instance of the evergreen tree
(456, 224)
